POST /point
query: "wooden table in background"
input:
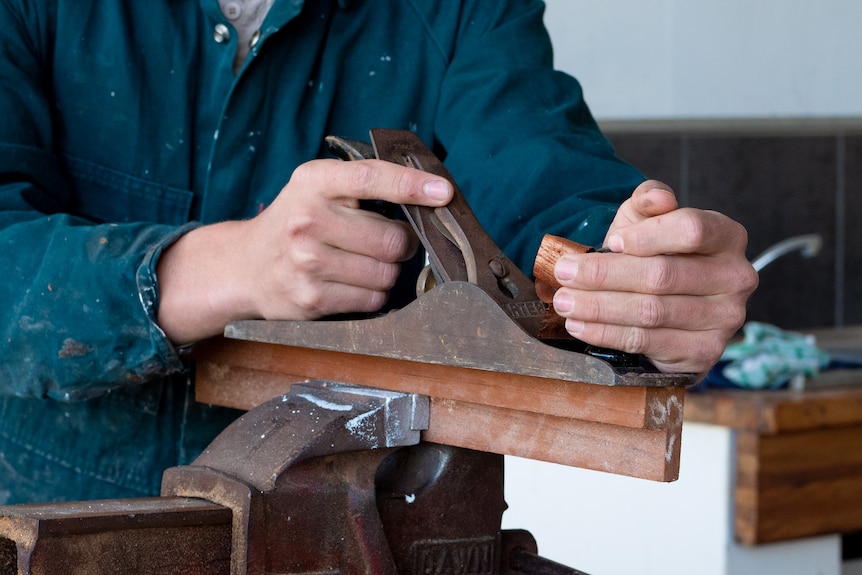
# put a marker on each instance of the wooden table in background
(798, 453)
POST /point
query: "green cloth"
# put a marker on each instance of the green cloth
(124, 125)
(769, 357)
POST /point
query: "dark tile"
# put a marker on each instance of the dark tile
(852, 214)
(657, 156)
(777, 187)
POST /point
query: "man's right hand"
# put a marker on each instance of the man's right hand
(312, 252)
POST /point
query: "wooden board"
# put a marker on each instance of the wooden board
(801, 484)
(626, 430)
(645, 453)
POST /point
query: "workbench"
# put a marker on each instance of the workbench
(769, 482)
(798, 462)
(798, 471)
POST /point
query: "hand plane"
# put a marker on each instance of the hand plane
(475, 308)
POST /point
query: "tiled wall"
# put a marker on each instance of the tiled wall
(779, 179)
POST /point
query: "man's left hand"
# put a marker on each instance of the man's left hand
(674, 290)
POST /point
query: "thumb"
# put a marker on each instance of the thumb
(651, 198)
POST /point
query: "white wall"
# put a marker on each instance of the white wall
(606, 524)
(712, 58)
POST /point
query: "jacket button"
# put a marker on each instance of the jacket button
(221, 33)
(233, 10)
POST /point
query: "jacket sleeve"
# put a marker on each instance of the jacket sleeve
(520, 139)
(78, 297)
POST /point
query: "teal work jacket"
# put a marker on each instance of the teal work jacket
(123, 125)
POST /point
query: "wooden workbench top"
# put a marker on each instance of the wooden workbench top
(797, 472)
(773, 412)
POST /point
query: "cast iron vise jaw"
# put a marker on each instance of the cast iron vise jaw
(328, 478)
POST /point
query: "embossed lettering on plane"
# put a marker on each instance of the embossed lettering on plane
(526, 309)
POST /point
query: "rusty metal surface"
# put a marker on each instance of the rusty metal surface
(332, 502)
(148, 536)
(521, 557)
(8, 557)
(441, 509)
(296, 469)
(316, 418)
(522, 561)
(458, 246)
(455, 324)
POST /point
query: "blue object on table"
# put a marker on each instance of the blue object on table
(767, 358)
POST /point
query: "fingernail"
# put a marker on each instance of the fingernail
(574, 327)
(566, 269)
(436, 189)
(615, 242)
(563, 304)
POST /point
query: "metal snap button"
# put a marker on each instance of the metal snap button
(255, 38)
(221, 33)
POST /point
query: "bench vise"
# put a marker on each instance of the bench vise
(328, 478)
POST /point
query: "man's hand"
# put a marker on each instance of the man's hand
(311, 253)
(675, 289)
